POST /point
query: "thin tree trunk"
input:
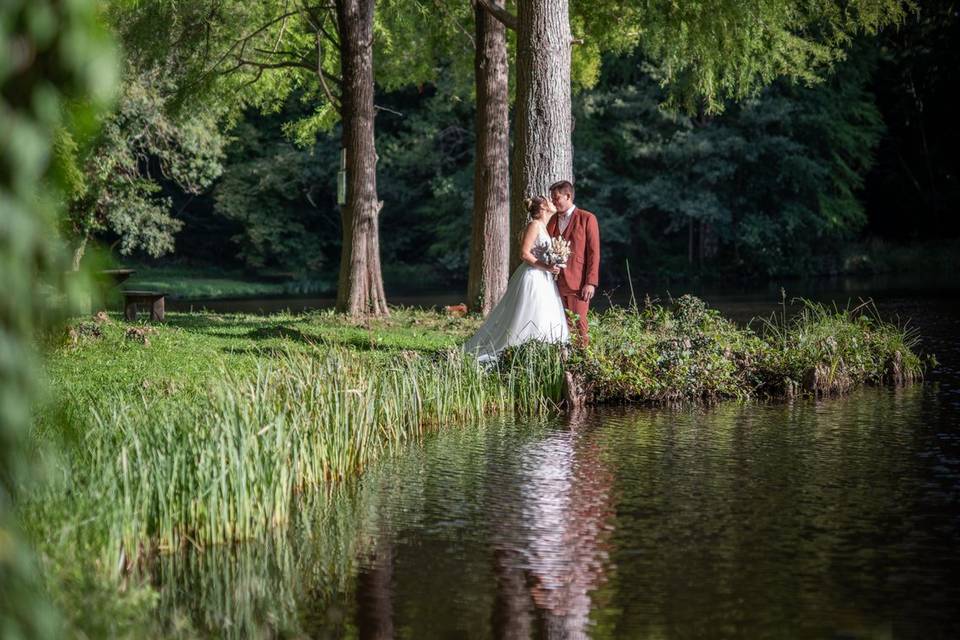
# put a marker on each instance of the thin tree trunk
(490, 242)
(700, 245)
(360, 290)
(78, 252)
(543, 148)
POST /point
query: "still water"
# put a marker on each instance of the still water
(835, 518)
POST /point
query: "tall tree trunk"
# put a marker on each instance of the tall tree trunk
(543, 148)
(360, 289)
(490, 243)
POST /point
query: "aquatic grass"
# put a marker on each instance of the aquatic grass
(656, 354)
(823, 349)
(229, 466)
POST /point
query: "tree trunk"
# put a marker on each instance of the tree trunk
(360, 289)
(78, 253)
(490, 243)
(543, 149)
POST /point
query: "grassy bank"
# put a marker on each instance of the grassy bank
(184, 281)
(211, 428)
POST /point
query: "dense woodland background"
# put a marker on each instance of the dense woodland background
(835, 177)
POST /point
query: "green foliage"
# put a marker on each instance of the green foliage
(280, 196)
(772, 183)
(115, 185)
(239, 55)
(655, 354)
(824, 349)
(710, 51)
(54, 55)
(283, 196)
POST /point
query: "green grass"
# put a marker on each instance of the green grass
(189, 348)
(210, 283)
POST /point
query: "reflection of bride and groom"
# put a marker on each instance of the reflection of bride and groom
(550, 523)
(552, 554)
(534, 305)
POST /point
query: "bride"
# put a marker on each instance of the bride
(531, 307)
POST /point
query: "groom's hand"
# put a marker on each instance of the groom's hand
(587, 292)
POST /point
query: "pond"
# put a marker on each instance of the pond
(827, 518)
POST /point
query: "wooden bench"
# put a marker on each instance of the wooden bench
(147, 299)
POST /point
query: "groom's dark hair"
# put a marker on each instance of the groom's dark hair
(563, 186)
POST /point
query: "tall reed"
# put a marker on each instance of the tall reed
(159, 474)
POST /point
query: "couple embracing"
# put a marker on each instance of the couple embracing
(539, 293)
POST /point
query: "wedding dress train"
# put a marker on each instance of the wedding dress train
(529, 310)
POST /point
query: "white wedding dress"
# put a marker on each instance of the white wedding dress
(529, 310)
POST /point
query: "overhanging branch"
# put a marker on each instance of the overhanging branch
(503, 16)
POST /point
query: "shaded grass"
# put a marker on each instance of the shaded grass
(210, 283)
(186, 351)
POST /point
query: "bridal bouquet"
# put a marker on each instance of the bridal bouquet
(557, 253)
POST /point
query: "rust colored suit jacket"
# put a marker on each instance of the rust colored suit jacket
(583, 234)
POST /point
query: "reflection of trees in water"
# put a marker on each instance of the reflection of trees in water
(763, 520)
(375, 593)
(281, 586)
(551, 553)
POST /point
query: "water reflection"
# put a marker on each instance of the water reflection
(832, 518)
(552, 552)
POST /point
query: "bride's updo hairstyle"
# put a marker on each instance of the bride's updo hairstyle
(535, 206)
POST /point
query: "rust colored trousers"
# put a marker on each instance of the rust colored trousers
(573, 303)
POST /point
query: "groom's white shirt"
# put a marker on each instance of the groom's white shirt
(565, 218)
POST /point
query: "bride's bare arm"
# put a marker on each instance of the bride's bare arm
(526, 247)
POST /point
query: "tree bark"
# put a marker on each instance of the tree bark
(78, 252)
(490, 242)
(543, 148)
(360, 289)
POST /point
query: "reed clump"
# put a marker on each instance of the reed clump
(658, 354)
(825, 350)
(153, 473)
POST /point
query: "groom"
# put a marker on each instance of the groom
(578, 281)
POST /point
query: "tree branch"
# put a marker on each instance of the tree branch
(287, 64)
(242, 42)
(387, 109)
(322, 75)
(443, 7)
(502, 15)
